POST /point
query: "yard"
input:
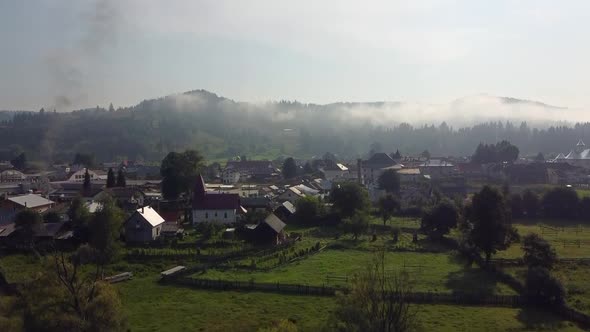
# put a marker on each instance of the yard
(152, 307)
(569, 238)
(429, 272)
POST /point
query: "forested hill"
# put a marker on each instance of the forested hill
(222, 128)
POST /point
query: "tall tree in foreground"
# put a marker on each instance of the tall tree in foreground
(440, 220)
(348, 198)
(179, 172)
(62, 298)
(27, 222)
(289, 168)
(87, 184)
(490, 229)
(105, 230)
(387, 206)
(121, 181)
(538, 252)
(111, 178)
(389, 181)
(377, 302)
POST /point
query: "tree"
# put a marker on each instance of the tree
(20, 162)
(397, 155)
(488, 215)
(121, 181)
(387, 205)
(308, 210)
(516, 206)
(584, 209)
(87, 184)
(60, 299)
(27, 222)
(543, 288)
(377, 302)
(110, 178)
(51, 217)
(289, 168)
(179, 172)
(560, 203)
(389, 181)
(540, 157)
(438, 221)
(348, 198)
(538, 252)
(111, 107)
(105, 230)
(79, 217)
(530, 204)
(356, 224)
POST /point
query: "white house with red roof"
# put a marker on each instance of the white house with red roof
(215, 207)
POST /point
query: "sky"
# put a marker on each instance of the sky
(75, 54)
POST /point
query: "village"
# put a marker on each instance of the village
(307, 226)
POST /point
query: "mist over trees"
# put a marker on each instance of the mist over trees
(222, 128)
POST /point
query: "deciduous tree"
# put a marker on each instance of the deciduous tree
(289, 168)
(179, 172)
(389, 181)
(440, 220)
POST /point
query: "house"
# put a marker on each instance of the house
(254, 204)
(409, 175)
(215, 207)
(372, 168)
(230, 176)
(292, 194)
(78, 176)
(437, 167)
(578, 156)
(268, 231)
(130, 198)
(251, 169)
(144, 225)
(11, 176)
(285, 211)
(334, 171)
(34, 202)
(171, 230)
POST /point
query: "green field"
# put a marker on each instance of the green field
(152, 307)
(428, 272)
(569, 238)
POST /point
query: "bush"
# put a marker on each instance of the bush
(543, 288)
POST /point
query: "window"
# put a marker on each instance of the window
(216, 214)
(225, 215)
(206, 215)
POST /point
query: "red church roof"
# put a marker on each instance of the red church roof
(204, 200)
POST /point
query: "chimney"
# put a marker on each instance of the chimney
(359, 170)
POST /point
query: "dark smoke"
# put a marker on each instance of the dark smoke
(70, 66)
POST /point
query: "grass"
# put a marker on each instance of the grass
(153, 307)
(564, 240)
(574, 277)
(428, 271)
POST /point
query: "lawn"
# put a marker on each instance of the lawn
(575, 280)
(569, 238)
(153, 307)
(429, 272)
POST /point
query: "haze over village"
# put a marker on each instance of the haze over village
(310, 166)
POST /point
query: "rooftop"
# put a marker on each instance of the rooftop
(30, 200)
(150, 215)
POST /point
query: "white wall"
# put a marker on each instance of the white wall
(209, 216)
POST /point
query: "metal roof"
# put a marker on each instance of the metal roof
(30, 200)
(150, 215)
